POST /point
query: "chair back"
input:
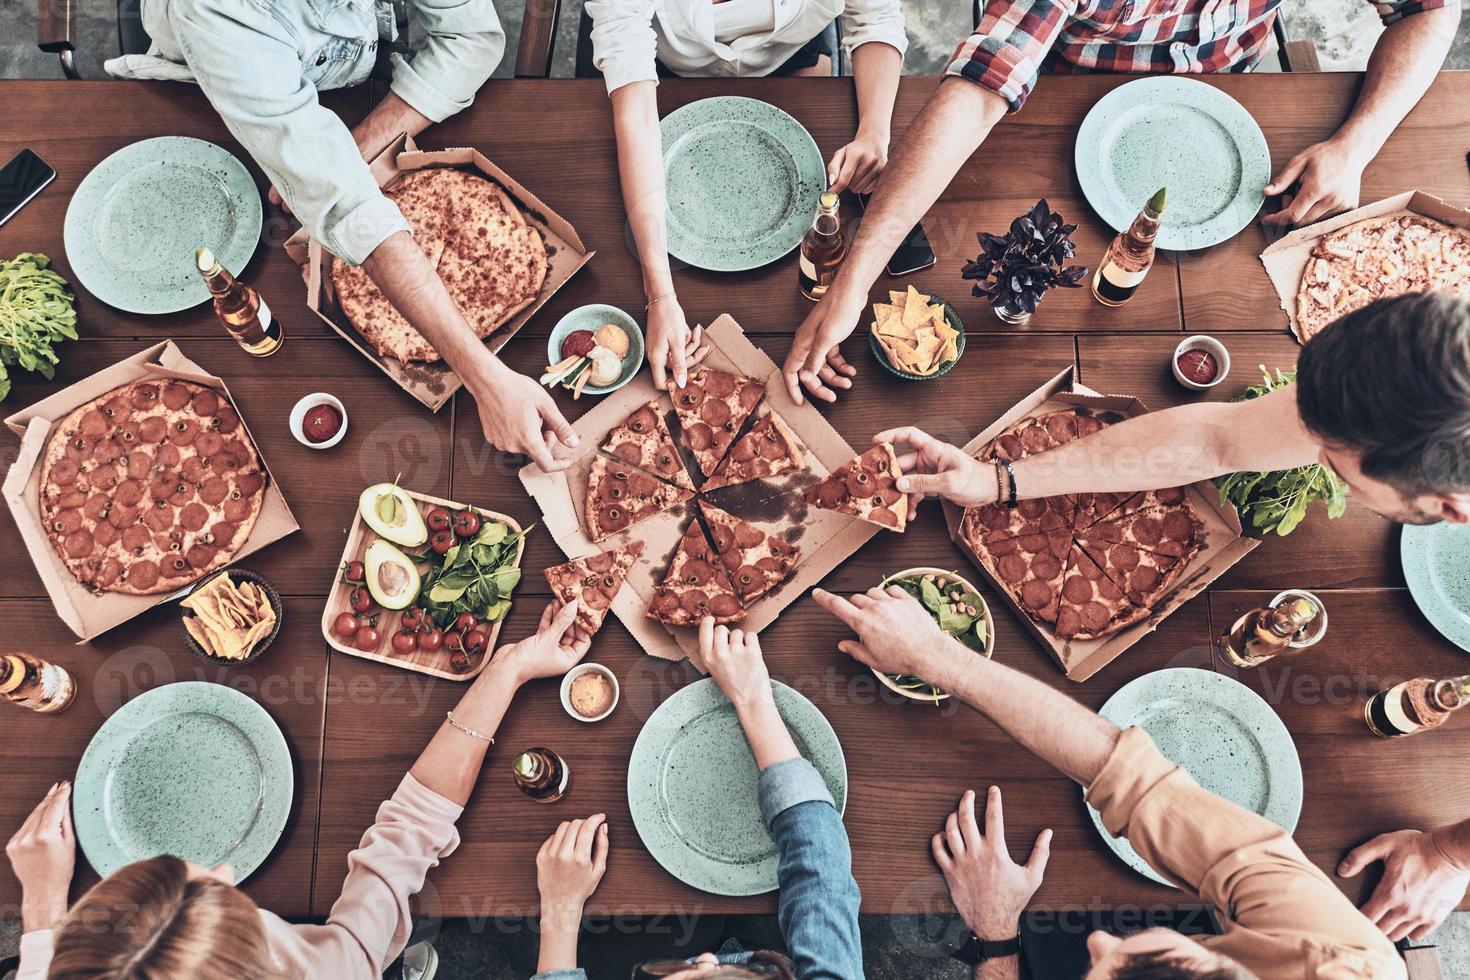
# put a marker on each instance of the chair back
(131, 38)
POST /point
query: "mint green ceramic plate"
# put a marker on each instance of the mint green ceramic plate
(743, 178)
(133, 224)
(192, 769)
(1181, 134)
(1224, 735)
(1436, 561)
(692, 787)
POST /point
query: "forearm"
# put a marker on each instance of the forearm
(1005, 968)
(387, 120)
(938, 142)
(875, 70)
(1403, 65)
(450, 765)
(641, 172)
(41, 911)
(1453, 844)
(766, 732)
(1066, 735)
(558, 941)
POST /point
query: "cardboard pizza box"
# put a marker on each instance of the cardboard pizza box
(90, 615)
(1224, 544)
(1286, 259)
(826, 539)
(434, 384)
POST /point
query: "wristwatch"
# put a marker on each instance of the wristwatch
(976, 950)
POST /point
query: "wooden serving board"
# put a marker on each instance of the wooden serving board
(434, 664)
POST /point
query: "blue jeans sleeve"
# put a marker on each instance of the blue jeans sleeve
(818, 905)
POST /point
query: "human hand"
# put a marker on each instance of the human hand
(989, 890)
(1420, 884)
(569, 867)
(815, 359)
(519, 416)
(896, 634)
(555, 648)
(42, 857)
(856, 166)
(933, 466)
(1327, 176)
(672, 347)
(274, 196)
(735, 661)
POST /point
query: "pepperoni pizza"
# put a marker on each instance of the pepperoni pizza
(756, 561)
(643, 440)
(865, 486)
(770, 448)
(695, 586)
(711, 409)
(619, 496)
(149, 487)
(593, 581)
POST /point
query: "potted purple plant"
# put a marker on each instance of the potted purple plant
(1013, 271)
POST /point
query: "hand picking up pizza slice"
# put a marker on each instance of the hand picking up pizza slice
(770, 448)
(865, 486)
(756, 561)
(696, 586)
(644, 440)
(619, 496)
(711, 409)
(593, 582)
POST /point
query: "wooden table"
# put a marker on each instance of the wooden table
(355, 726)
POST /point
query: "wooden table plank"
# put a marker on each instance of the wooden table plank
(1359, 785)
(1225, 288)
(289, 681)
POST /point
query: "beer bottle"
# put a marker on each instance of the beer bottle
(541, 774)
(245, 315)
(1261, 634)
(35, 684)
(1130, 255)
(822, 250)
(1416, 705)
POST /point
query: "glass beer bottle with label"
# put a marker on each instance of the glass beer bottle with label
(541, 774)
(1416, 705)
(31, 682)
(822, 250)
(1130, 255)
(244, 314)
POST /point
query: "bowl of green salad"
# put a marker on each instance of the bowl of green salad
(960, 611)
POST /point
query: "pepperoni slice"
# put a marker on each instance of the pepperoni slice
(697, 571)
(719, 384)
(716, 413)
(724, 540)
(887, 496)
(79, 543)
(1032, 509)
(612, 518)
(1144, 578)
(107, 451)
(628, 452)
(1062, 427)
(1178, 526)
(1087, 425)
(1170, 496)
(144, 397)
(94, 424)
(214, 491)
(143, 575)
(200, 555)
(228, 420)
(208, 443)
(748, 536)
(749, 395)
(724, 605)
(1123, 558)
(139, 464)
(1009, 446)
(601, 562)
(747, 449)
(1069, 623)
(109, 572)
(70, 499)
(747, 578)
(231, 456)
(67, 521)
(222, 533)
(183, 432)
(1046, 566)
(594, 599)
(643, 420)
(79, 448)
(167, 456)
(1035, 439)
(205, 402)
(176, 395)
(1036, 594)
(129, 434)
(1094, 615)
(642, 485)
(104, 533)
(1076, 589)
(97, 506)
(1011, 568)
(236, 509)
(152, 429)
(194, 516)
(122, 517)
(176, 566)
(699, 436)
(159, 519)
(136, 538)
(183, 493)
(194, 469)
(829, 493)
(64, 472)
(163, 486)
(664, 603)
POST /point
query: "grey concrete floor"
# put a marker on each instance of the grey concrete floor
(1344, 30)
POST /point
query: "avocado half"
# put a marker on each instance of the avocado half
(391, 576)
(393, 514)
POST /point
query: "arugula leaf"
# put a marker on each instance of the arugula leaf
(36, 312)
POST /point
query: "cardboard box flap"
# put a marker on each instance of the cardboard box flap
(33, 442)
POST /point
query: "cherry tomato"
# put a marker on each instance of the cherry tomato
(431, 640)
(405, 641)
(475, 640)
(439, 519)
(442, 541)
(466, 523)
(454, 643)
(367, 639)
(345, 625)
(411, 618)
(465, 622)
(459, 663)
(353, 571)
(361, 599)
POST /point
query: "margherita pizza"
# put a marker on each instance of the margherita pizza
(755, 561)
(866, 487)
(695, 586)
(711, 409)
(150, 487)
(593, 581)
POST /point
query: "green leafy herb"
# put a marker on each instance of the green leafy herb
(1277, 501)
(950, 608)
(36, 312)
(477, 575)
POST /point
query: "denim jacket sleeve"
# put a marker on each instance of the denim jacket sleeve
(577, 974)
(818, 905)
(462, 43)
(249, 65)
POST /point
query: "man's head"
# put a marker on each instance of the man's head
(1387, 390)
(1158, 954)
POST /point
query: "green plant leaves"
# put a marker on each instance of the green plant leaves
(36, 311)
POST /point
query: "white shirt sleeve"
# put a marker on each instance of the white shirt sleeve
(463, 43)
(624, 45)
(864, 21)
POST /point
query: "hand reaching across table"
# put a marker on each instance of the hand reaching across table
(1422, 880)
(736, 664)
(673, 348)
(1326, 176)
(895, 633)
(816, 360)
(42, 857)
(555, 648)
(569, 867)
(931, 465)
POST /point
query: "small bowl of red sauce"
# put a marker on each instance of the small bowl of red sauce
(1201, 362)
(319, 421)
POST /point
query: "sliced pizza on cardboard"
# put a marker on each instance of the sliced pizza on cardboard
(769, 449)
(696, 585)
(711, 409)
(619, 496)
(756, 561)
(643, 440)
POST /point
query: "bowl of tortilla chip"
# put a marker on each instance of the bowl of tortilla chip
(916, 337)
(230, 617)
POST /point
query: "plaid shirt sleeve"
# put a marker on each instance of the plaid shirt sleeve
(1006, 51)
(1392, 11)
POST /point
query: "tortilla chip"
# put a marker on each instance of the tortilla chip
(200, 634)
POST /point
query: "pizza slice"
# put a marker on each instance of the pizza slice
(1143, 576)
(757, 562)
(770, 448)
(1094, 508)
(644, 440)
(619, 496)
(695, 586)
(865, 486)
(1164, 523)
(1041, 433)
(1030, 565)
(982, 525)
(1092, 605)
(711, 409)
(593, 581)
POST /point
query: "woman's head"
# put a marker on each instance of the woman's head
(163, 919)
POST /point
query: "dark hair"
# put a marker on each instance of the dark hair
(1163, 965)
(1392, 381)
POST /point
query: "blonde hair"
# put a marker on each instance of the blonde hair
(148, 921)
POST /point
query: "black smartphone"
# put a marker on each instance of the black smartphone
(913, 254)
(20, 180)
